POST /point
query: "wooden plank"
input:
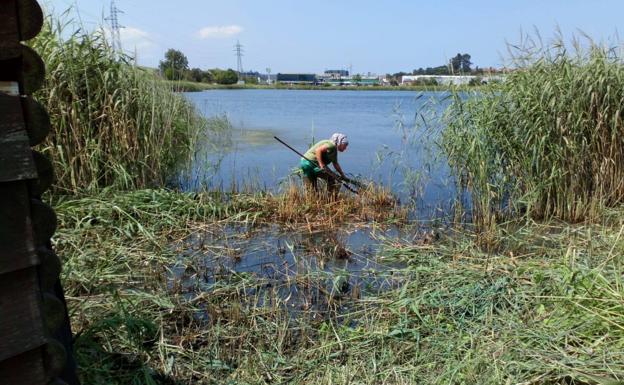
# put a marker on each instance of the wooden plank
(53, 312)
(9, 88)
(30, 18)
(33, 71)
(54, 358)
(10, 69)
(21, 325)
(43, 222)
(17, 249)
(49, 269)
(9, 30)
(45, 171)
(15, 154)
(9, 51)
(36, 120)
(24, 369)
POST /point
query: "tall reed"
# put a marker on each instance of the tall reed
(114, 124)
(548, 141)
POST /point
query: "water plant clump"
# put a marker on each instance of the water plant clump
(547, 141)
(114, 124)
(372, 203)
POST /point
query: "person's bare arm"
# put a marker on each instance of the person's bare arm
(319, 156)
(339, 169)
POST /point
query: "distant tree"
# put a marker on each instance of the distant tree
(357, 78)
(228, 76)
(175, 64)
(465, 63)
(455, 64)
(460, 64)
(207, 77)
(196, 74)
(250, 79)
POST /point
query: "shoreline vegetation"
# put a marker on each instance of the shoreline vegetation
(530, 292)
(189, 86)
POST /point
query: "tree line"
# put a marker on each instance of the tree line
(175, 67)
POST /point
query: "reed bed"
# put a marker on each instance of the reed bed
(544, 309)
(373, 203)
(548, 141)
(113, 124)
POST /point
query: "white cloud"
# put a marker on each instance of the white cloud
(133, 37)
(216, 32)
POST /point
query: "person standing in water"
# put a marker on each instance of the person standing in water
(321, 155)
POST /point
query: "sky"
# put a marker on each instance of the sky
(382, 36)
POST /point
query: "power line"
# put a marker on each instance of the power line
(116, 36)
(238, 48)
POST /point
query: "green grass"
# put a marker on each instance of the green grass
(545, 308)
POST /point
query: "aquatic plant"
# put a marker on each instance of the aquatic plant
(548, 141)
(544, 309)
(113, 123)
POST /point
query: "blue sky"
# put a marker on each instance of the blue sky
(371, 36)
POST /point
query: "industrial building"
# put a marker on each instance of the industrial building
(297, 78)
(448, 79)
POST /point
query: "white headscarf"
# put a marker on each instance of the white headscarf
(339, 138)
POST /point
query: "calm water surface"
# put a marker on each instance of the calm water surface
(389, 143)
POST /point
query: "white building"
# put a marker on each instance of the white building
(448, 79)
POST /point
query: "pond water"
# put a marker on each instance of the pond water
(303, 268)
(392, 138)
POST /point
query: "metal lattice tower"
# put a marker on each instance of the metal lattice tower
(238, 48)
(115, 27)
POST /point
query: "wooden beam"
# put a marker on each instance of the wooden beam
(15, 154)
(17, 250)
(36, 120)
(30, 18)
(33, 71)
(45, 171)
(21, 328)
(24, 369)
